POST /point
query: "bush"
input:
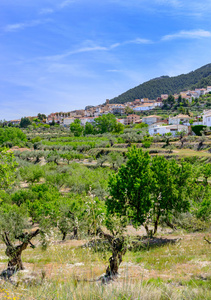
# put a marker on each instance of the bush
(197, 129)
(146, 144)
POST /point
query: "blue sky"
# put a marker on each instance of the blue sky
(61, 55)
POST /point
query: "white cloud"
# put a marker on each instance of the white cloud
(138, 41)
(46, 11)
(113, 71)
(174, 3)
(20, 26)
(79, 50)
(93, 47)
(191, 34)
(60, 6)
(66, 3)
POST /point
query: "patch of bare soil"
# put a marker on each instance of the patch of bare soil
(16, 148)
(142, 231)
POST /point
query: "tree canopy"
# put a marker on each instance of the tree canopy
(145, 188)
(76, 127)
(7, 169)
(105, 123)
(12, 136)
(25, 122)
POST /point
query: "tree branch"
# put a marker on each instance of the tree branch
(209, 242)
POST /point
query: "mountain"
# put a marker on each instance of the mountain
(153, 88)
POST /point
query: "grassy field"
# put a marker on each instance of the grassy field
(180, 270)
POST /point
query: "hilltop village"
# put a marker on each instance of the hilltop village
(138, 111)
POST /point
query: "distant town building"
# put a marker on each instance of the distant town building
(207, 118)
(151, 119)
(179, 119)
(173, 129)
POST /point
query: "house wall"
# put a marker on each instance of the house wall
(68, 121)
(166, 129)
(207, 120)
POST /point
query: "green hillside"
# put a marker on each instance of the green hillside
(167, 85)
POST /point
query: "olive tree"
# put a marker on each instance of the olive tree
(130, 197)
(130, 188)
(170, 189)
(13, 220)
(145, 189)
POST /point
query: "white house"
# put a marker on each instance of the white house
(156, 103)
(201, 91)
(68, 121)
(84, 120)
(207, 118)
(117, 108)
(208, 89)
(173, 129)
(179, 118)
(151, 119)
(144, 107)
(122, 121)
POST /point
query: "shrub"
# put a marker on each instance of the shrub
(197, 129)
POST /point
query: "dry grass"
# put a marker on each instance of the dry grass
(172, 271)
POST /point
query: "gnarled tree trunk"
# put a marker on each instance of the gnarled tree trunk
(14, 252)
(118, 250)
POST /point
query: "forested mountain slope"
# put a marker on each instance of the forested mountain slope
(167, 85)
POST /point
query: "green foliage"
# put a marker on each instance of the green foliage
(198, 129)
(71, 214)
(7, 169)
(56, 179)
(32, 173)
(130, 188)
(76, 127)
(206, 171)
(75, 142)
(169, 102)
(43, 203)
(25, 122)
(12, 136)
(119, 128)
(82, 178)
(105, 123)
(89, 128)
(141, 125)
(36, 139)
(147, 141)
(13, 219)
(71, 155)
(171, 187)
(145, 188)
(201, 195)
(190, 222)
(94, 214)
(204, 208)
(53, 156)
(21, 196)
(115, 159)
(41, 117)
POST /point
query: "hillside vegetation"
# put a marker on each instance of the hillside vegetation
(104, 216)
(152, 89)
